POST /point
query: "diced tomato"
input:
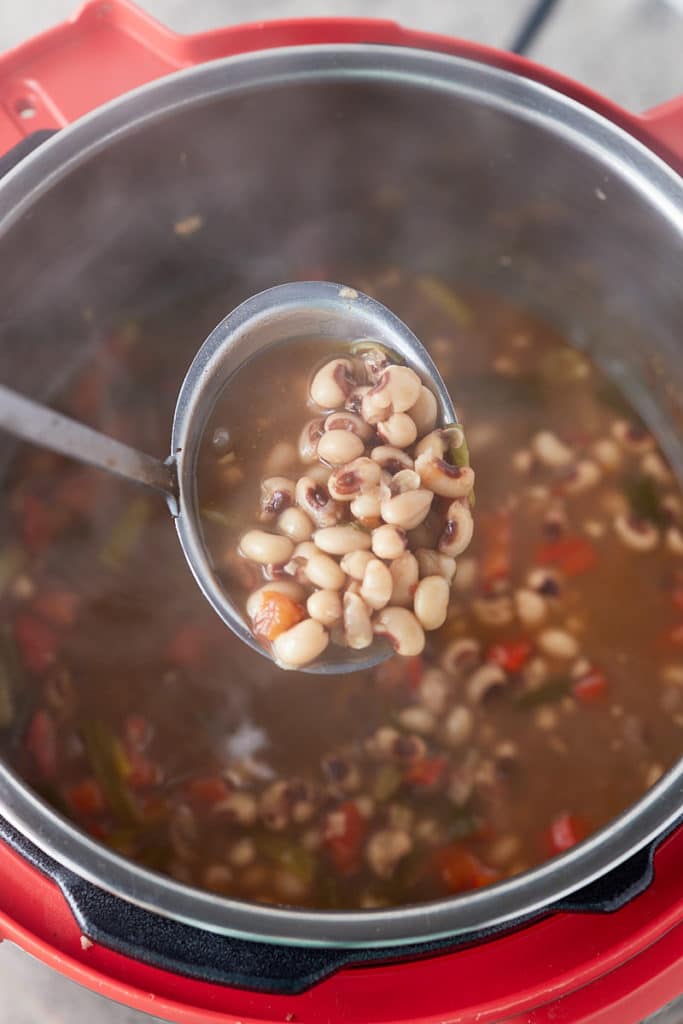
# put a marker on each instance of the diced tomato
(510, 655)
(137, 732)
(344, 838)
(414, 669)
(208, 789)
(188, 645)
(675, 635)
(37, 641)
(426, 771)
(276, 614)
(142, 773)
(41, 743)
(591, 687)
(38, 523)
(571, 555)
(677, 598)
(85, 798)
(460, 869)
(565, 831)
(57, 606)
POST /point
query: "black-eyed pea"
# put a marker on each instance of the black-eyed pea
(407, 510)
(433, 444)
(457, 727)
(460, 656)
(581, 477)
(433, 563)
(341, 540)
(317, 502)
(239, 808)
(372, 359)
(558, 644)
(402, 630)
(309, 438)
(357, 624)
(339, 447)
(424, 412)
(385, 849)
(405, 574)
(417, 719)
(301, 644)
(403, 385)
(322, 571)
(400, 816)
(503, 851)
(458, 531)
(550, 450)
(388, 542)
(636, 534)
(530, 606)
(632, 437)
(217, 877)
(674, 540)
(325, 607)
(466, 576)
(405, 480)
(286, 587)
(398, 430)
(608, 453)
(320, 473)
(282, 457)
(354, 424)
(266, 548)
(358, 476)
(485, 682)
(333, 383)
(375, 404)
(376, 588)
(355, 563)
(391, 459)
(546, 582)
(354, 400)
(277, 494)
(242, 852)
(430, 602)
(444, 479)
(433, 690)
(291, 887)
(366, 507)
(653, 465)
(295, 524)
(522, 461)
(380, 745)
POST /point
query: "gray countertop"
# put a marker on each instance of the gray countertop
(630, 50)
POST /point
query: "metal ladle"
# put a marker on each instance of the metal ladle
(335, 314)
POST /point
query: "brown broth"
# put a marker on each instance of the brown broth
(140, 716)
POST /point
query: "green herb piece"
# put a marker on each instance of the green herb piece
(458, 450)
(386, 782)
(361, 349)
(126, 533)
(548, 693)
(446, 299)
(644, 499)
(109, 764)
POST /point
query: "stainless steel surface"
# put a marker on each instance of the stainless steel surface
(43, 426)
(547, 202)
(333, 314)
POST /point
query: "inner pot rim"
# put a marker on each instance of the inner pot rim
(658, 186)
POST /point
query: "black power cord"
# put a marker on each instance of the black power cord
(532, 25)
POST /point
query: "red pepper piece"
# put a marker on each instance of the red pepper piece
(142, 773)
(572, 555)
(591, 688)
(137, 732)
(460, 869)
(677, 598)
(511, 656)
(41, 743)
(208, 790)
(85, 798)
(565, 831)
(344, 838)
(59, 607)
(188, 645)
(427, 771)
(38, 523)
(37, 641)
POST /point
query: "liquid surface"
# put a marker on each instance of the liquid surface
(550, 700)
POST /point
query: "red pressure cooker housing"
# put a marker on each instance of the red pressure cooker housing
(615, 966)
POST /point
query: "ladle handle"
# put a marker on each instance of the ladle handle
(43, 426)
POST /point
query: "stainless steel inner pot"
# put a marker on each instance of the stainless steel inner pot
(367, 156)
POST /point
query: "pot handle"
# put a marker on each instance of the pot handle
(664, 125)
